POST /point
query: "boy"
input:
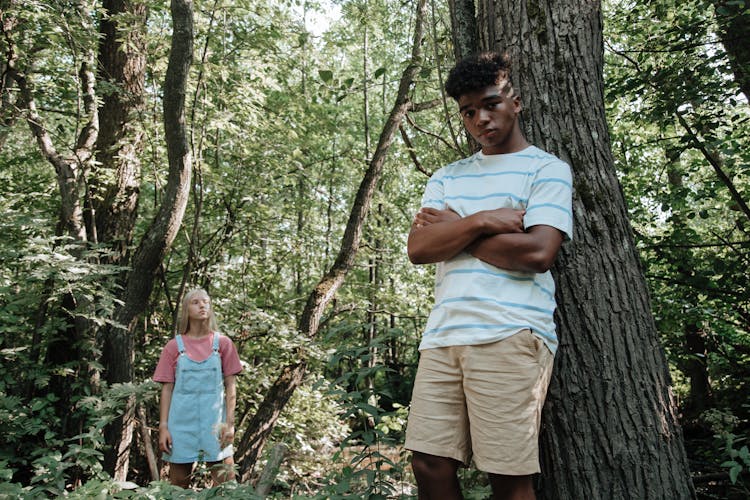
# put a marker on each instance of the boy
(493, 223)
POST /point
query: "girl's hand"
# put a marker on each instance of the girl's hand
(227, 435)
(165, 440)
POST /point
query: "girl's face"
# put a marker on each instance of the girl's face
(199, 307)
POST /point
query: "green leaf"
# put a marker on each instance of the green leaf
(734, 473)
(325, 75)
(368, 409)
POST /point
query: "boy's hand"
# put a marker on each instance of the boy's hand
(502, 221)
(427, 216)
(165, 440)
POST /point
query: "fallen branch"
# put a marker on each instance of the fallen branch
(269, 473)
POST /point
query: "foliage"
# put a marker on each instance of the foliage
(739, 459)
(282, 120)
(277, 129)
(679, 128)
(671, 96)
(374, 462)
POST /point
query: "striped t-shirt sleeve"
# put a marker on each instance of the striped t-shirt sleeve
(551, 198)
(434, 192)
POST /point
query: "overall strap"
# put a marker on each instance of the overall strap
(216, 341)
(180, 344)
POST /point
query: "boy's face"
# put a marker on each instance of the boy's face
(491, 117)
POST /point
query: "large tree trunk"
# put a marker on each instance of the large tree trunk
(609, 427)
(122, 64)
(262, 423)
(464, 28)
(118, 344)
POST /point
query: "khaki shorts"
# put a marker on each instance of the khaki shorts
(484, 400)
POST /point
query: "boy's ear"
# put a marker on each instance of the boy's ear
(517, 104)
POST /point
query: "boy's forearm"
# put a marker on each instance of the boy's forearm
(438, 235)
(533, 251)
(441, 241)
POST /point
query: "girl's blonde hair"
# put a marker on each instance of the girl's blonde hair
(183, 321)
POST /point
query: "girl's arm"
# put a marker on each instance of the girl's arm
(230, 395)
(165, 438)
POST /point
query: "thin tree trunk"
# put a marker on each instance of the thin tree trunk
(695, 364)
(610, 428)
(733, 19)
(148, 445)
(696, 368)
(269, 473)
(68, 168)
(694, 137)
(9, 109)
(118, 344)
(716, 160)
(371, 329)
(261, 425)
(70, 171)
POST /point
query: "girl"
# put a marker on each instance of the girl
(197, 370)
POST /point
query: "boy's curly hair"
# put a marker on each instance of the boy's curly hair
(478, 71)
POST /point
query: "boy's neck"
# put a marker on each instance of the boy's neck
(517, 146)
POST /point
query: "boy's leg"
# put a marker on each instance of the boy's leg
(436, 477)
(512, 487)
(179, 474)
(505, 385)
(222, 471)
(438, 431)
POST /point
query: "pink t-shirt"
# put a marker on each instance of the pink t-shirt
(197, 349)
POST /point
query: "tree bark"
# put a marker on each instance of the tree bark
(68, 168)
(609, 427)
(118, 346)
(696, 368)
(464, 28)
(9, 109)
(261, 425)
(268, 475)
(122, 64)
(733, 19)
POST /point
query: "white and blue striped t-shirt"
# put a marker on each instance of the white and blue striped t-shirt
(476, 302)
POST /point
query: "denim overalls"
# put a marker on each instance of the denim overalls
(197, 408)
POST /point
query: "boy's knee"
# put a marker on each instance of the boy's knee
(514, 487)
(431, 466)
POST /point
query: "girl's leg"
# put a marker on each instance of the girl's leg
(222, 471)
(179, 474)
